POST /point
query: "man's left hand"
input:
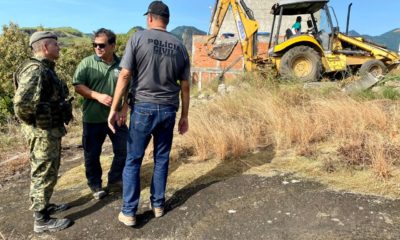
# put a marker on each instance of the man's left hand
(183, 125)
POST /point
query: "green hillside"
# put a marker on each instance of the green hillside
(390, 39)
(67, 35)
(185, 33)
(135, 29)
(60, 31)
(182, 30)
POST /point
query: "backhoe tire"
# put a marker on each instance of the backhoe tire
(302, 63)
(373, 66)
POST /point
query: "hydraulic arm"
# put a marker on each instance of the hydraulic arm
(375, 50)
(247, 28)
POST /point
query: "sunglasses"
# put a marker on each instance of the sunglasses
(100, 45)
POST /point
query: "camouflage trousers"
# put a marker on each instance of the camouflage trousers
(45, 153)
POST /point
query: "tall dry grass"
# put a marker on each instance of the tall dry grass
(11, 139)
(13, 149)
(14, 143)
(290, 117)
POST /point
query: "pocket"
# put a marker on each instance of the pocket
(43, 116)
(142, 121)
(169, 119)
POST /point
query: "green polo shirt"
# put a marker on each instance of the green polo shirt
(100, 77)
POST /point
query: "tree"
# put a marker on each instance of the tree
(122, 39)
(14, 50)
(69, 59)
(66, 65)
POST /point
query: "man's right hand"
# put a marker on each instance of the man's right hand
(104, 99)
(88, 93)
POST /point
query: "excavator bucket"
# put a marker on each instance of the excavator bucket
(223, 50)
(366, 82)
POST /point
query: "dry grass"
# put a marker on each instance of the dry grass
(290, 117)
(225, 128)
(14, 152)
(395, 71)
(9, 136)
(14, 148)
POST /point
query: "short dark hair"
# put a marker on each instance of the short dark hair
(298, 19)
(37, 46)
(110, 35)
(165, 20)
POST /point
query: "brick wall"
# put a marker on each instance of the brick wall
(205, 69)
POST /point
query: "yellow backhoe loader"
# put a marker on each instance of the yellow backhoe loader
(322, 48)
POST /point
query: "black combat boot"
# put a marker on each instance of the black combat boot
(44, 223)
(56, 208)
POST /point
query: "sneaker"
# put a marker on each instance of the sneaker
(51, 225)
(127, 220)
(99, 193)
(158, 211)
(54, 208)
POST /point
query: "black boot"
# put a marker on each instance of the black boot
(54, 208)
(43, 222)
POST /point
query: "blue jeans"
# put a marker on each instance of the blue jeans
(93, 138)
(147, 119)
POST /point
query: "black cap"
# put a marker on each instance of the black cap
(158, 8)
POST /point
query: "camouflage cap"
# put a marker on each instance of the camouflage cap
(39, 35)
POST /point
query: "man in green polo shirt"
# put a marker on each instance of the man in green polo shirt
(95, 79)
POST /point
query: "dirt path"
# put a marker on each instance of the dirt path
(212, 200)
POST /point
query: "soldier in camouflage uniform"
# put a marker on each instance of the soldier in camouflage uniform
(40, 103)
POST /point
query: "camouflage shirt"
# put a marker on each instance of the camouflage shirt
(38, 96)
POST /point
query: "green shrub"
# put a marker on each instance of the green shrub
(14, 50)
(391, 94)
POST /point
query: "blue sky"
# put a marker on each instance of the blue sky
(372, 17)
